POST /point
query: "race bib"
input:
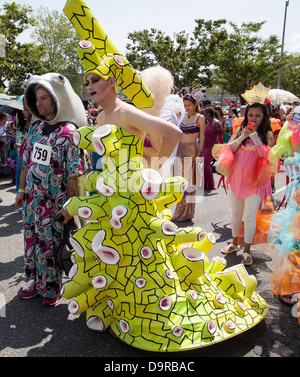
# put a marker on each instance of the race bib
(41, 154)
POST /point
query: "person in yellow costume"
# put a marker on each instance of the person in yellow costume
(284, 233)
(134, 270)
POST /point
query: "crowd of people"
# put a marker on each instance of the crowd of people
(202, 126)
(46, 164)
(219, 125)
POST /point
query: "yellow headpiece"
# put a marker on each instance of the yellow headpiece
(99, 55)
(258, 93)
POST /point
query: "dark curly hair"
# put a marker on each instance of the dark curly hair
(265, 125)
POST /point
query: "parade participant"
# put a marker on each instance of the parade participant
(250, 178)
(129, 247)
(284, 233)
(213, 135)
(222, 118)
(116, 111)
(49, 176)
(192, 127)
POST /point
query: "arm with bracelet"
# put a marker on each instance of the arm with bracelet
(22, 185)
(237, 142)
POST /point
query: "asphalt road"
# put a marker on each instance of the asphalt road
(28, 329)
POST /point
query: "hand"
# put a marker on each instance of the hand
(65, 214)
(234, 145)
(250, 128)
(19, 199)
(245, 133)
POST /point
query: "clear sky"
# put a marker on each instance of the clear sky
(120, 17)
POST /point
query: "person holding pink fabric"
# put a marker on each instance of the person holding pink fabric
(250, 179)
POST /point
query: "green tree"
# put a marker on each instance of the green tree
(245, 59)
(154, 47)
(54, 31)
(207, 37)
(21, 59)
(290, 79)
(188, 58)
(219, 53)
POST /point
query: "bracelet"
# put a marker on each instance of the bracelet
(21, 190)
(238, 141)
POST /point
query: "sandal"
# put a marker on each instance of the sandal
(230, 249)
(286, 300)
(247, 259)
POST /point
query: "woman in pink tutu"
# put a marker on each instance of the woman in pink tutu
(250, 178)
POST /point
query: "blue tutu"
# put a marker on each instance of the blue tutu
(280, 235)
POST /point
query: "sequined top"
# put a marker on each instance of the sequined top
(190, 128)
